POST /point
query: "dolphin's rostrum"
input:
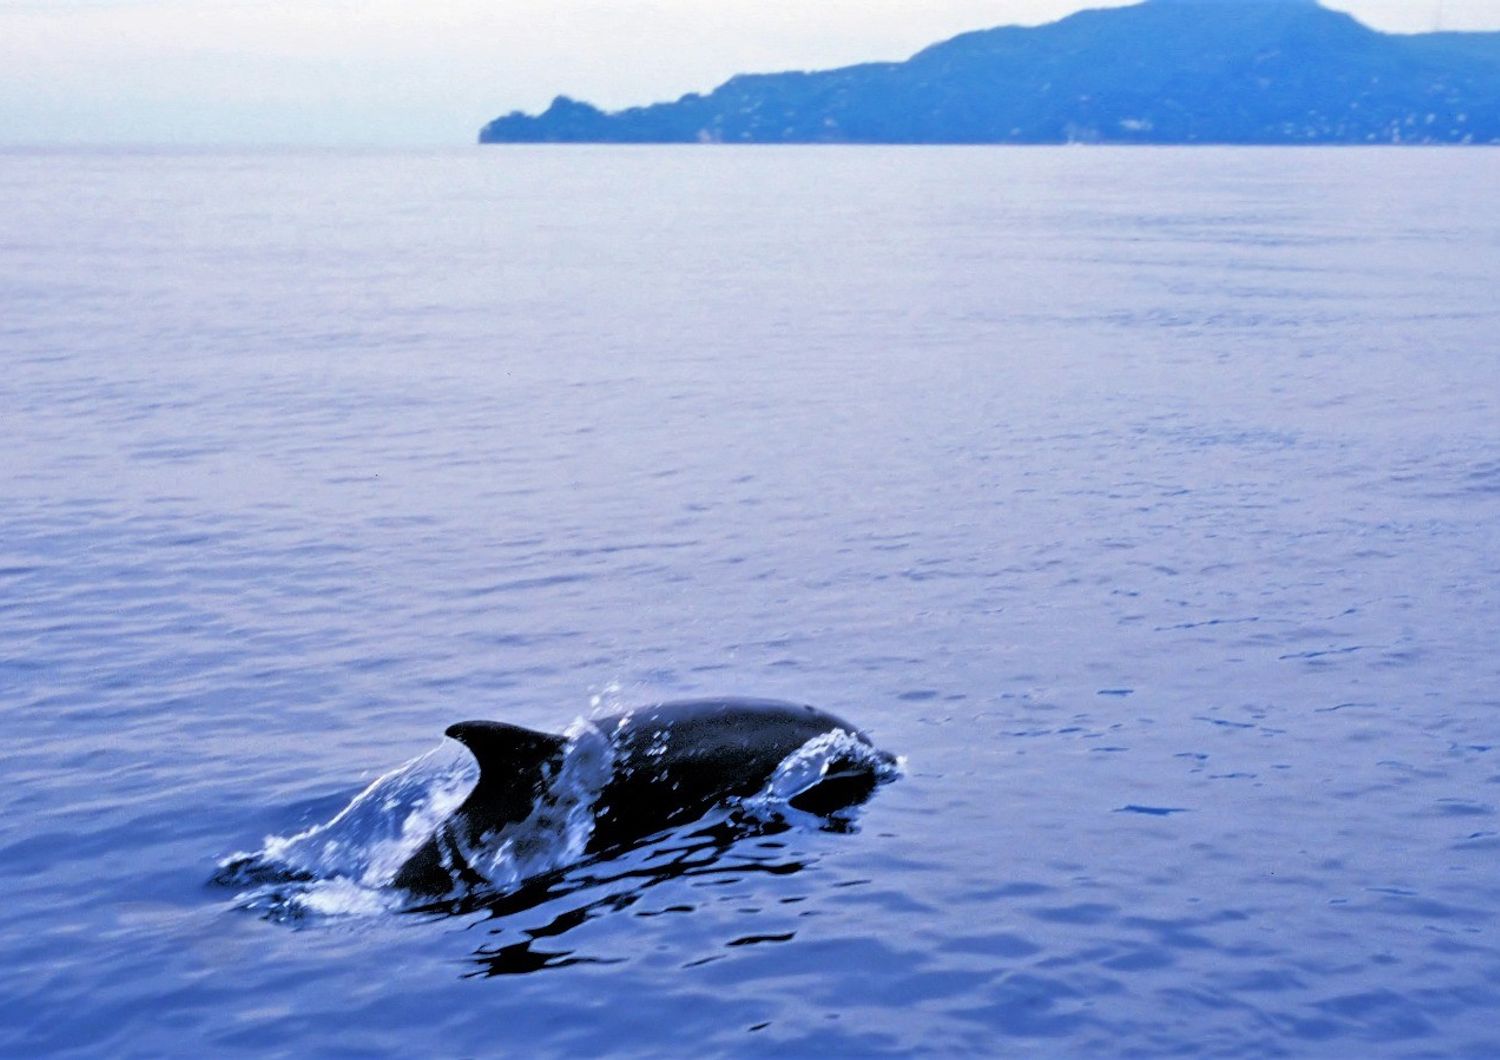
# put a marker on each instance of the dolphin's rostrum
(668, 764)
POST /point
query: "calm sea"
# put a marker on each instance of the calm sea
(1146, 501)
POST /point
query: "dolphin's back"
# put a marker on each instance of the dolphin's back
(676, 760)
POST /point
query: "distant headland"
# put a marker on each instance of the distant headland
(1160, 72)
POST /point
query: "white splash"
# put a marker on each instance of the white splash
(345, 866)
(384, 826)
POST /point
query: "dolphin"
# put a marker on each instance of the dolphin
(668, 764)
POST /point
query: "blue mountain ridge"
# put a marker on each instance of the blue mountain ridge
(1160, 72)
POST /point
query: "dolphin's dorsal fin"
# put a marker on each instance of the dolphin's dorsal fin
(511, 759)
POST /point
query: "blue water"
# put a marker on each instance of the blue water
(1147, 502)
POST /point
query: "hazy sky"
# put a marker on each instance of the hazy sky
(401, 71)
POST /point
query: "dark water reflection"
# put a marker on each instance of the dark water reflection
(721, 855)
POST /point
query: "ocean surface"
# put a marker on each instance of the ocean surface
(1145, 502)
